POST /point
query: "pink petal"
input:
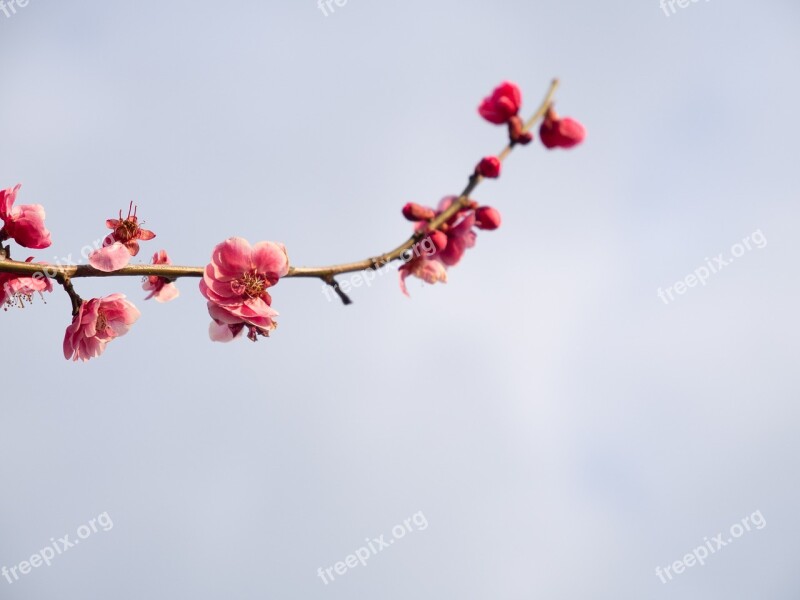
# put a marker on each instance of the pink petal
(271, 258)
(167, 293)
(111, 258)
(234, 256)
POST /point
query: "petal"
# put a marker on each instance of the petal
(167, 293)
(271, 258)
(111, 258)
(219, 332)
(234, 256)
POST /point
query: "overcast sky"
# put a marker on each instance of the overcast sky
(560, 429)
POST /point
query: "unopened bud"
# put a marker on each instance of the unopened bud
(415, 212)
(487, 218)
(489, 167)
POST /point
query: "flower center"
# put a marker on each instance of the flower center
(127, 230)
(102, 323)
(251, 285)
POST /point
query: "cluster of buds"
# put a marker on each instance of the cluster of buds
(455, 235)
(502, 108)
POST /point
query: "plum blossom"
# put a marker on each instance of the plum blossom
(560, 132)
(235, 284)
(24, 224)
(98, 321)
(450, 242)
(502, 108)
(16, 290)
(502, 104)
(121, 243)
(429, 270)
(161, 289)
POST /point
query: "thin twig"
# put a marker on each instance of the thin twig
(73, 295)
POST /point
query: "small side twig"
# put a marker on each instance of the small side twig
(73, 295)
(329, 279)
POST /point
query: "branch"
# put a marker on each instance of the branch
(63, 274)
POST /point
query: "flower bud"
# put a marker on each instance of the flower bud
(560, 133)
(489, 167)
(487, 218)
(415, 212)
(516, 131)
(503, 104)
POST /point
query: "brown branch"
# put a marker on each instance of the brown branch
(63, 274)
(73, 295)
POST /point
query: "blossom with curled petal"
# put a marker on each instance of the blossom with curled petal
(98, 321)
(16, 290)
(161, 289)
(235, 284)
(121, 243)
(24, 223)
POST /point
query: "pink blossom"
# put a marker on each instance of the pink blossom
(98, 321)
(558, 132)
(235, 284)
(25, 223)
(450, 242)
(503, 103)
(460, 237)
(121, 243)
(161, 289)
(15, 290)
(430, 271)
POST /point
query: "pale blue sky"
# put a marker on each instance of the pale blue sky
(563, 430)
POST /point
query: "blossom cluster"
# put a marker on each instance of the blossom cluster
(458, 233)
(236, 281)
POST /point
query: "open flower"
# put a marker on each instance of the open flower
(235, 284)
(430, 271)
(121, 243)
(450, 242)
(98, 321)
(16, 290)
(25, 223)
(161, 289)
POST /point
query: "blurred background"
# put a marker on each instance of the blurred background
(562, 429)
